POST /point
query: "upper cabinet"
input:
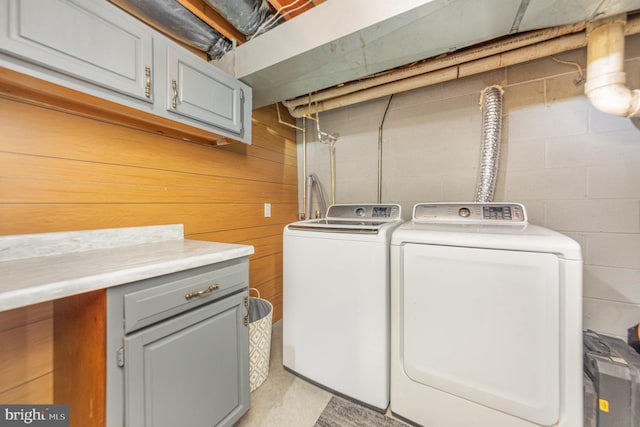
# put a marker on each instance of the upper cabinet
(197, 93)
(90, 44)
(93, 47)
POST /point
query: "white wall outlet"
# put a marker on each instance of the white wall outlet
(267, 210)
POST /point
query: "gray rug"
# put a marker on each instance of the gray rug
(344, 413)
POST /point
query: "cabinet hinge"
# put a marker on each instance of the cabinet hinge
(120, 356)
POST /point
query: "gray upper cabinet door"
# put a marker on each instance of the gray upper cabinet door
(198, 90)
(91, 41)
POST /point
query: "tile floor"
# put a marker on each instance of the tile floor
(284, 400)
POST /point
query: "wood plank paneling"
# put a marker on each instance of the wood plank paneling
(63, 171)
(38, 391)
(23, 316)
(27, 353)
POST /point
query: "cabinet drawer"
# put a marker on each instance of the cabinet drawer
(174, 294)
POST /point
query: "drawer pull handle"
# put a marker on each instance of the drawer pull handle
(201, 292)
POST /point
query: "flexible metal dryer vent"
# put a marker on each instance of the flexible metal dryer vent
(491, 106)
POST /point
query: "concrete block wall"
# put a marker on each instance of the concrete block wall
(576, 170)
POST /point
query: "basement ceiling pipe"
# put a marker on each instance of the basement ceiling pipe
(175, 20)
(452, 72)
(438, 63)
(245, 15)
(606, 80)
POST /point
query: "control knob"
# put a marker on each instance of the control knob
(464, 212)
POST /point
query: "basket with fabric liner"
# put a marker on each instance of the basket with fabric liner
(260, 317)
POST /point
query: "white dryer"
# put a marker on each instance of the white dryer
(336, 300)
(486, 319)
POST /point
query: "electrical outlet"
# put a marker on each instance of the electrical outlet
(267, 210)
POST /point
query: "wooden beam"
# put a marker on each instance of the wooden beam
(213, 19)
(279, 4)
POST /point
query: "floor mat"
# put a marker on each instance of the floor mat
(344, 413)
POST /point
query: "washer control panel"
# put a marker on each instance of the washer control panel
(503, 213)
(367, 212)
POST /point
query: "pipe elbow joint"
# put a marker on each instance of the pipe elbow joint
(614, 98)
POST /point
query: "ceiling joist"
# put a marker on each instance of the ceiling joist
(213, 19)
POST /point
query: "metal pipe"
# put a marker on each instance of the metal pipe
(302, 129)
(305, 214)
(332, 159)
(330, 139)
(491, 105)
(384, 116)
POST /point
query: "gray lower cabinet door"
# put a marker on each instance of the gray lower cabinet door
(198, 90)
(191, 370)
(92, 41)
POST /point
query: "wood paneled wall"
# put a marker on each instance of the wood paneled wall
(61, 171)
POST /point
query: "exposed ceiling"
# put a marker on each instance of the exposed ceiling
(327, 43)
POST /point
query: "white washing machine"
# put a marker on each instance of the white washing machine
(486, 327)
(336, 300)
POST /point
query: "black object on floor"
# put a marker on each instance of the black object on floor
(340, 412)
(633, 337)
(614, 368)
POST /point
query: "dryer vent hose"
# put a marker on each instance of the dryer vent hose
(491, 106)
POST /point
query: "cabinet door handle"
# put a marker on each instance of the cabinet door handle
(174, 98)
(147, 87)
(194, 294)
(246, 316)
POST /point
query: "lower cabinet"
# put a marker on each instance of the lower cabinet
(190, 370)
(178, 349)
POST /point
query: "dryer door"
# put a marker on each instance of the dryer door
(483, 325)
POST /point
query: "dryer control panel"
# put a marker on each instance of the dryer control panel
(502, 213)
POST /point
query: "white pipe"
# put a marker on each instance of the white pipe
(516, 56)
(606, 80)
(451, 59)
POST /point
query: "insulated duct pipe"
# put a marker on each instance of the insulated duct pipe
(245, 15)
(491, 105)
(175, 20)
(606, 80)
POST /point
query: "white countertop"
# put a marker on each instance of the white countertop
(98, 259)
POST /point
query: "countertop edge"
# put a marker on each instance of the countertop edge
(207, 253)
